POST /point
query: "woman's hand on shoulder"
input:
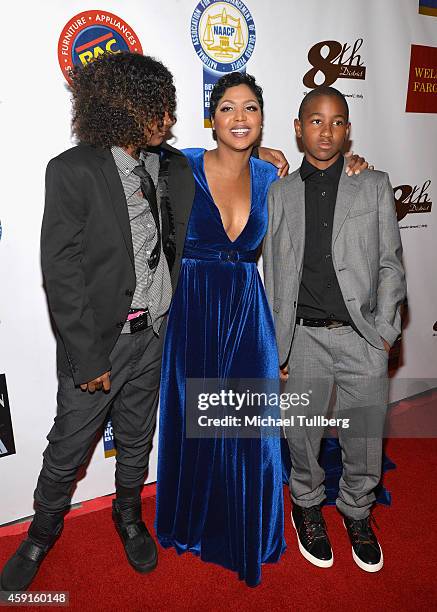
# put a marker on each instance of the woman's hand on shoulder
(275, 157)
(355, 164)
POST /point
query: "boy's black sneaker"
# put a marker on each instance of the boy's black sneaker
(366, 551)
(311, 534)
(23, 566)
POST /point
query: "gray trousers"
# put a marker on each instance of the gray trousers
(131, 402)
(320, 360)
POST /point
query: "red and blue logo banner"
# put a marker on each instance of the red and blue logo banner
(90, 34)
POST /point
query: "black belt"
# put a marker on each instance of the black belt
(328, 323)
(141, 322)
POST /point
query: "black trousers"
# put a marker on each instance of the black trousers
(132, 403)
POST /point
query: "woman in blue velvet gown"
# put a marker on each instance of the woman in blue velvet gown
(221, 498)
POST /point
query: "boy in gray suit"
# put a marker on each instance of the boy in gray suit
(334, 278)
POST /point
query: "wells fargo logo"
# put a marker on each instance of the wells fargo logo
(422, 83)
(428, 7)
(333, 61)
(90, 34)
(411, 200)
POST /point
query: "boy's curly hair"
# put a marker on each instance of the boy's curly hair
(118, 97)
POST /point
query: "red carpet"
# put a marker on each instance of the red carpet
(88, 561)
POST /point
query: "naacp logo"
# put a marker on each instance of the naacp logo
(410, 200)
(223, 34)
(332, 60)
(90, 34)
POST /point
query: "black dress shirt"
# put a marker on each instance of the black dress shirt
(319, 293)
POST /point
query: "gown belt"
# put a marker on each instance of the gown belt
(203, 254)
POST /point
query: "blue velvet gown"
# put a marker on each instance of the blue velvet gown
(220, 498)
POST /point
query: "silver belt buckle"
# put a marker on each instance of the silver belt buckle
(141, 322)
(335, 324)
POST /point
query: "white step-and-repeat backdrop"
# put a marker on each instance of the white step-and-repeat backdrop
(381, 54)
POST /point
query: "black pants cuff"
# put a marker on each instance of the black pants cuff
(125, 492)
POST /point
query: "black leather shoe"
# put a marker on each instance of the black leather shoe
(138, 544)
(366, 551)
(22, 567)
(311, 534)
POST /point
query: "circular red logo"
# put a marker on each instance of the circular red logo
(92, 33)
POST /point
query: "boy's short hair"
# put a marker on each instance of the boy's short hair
(323, 90)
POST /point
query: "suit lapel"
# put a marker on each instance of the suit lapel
(347, 191)
(118, 200)
(294, 206)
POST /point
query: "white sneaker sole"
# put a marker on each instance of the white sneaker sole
(308, 556)
(370, 568)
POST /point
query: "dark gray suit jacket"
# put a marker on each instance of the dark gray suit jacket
(366, 253)
(87, 254)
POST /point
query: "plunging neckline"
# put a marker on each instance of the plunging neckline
(218, 209)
